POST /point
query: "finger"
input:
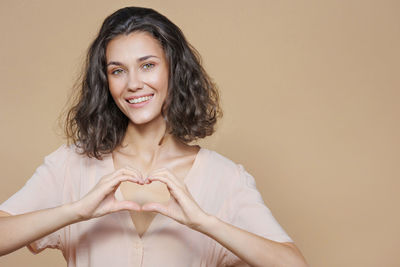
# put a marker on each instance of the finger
(156, 207)
(126, 205)
(113, 184)
(129, 167)
(129, 171)
(163, 179)
(161, 171)
(133, 179)
(174, 189)
(123, 171)
(164, 172)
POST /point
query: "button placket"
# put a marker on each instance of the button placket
(138, 244)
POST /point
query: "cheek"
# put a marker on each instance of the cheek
(159, 81)
(115, 86)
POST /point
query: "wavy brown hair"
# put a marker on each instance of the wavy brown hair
(96, 125)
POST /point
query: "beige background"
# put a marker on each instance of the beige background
(310, 91)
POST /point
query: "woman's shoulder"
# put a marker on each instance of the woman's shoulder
(64, 150)
(66, 153)
(69, 161)
(227, 168)
(217, 161)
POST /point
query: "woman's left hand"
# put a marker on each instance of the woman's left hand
(181, 207)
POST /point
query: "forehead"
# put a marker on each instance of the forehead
(133, 45)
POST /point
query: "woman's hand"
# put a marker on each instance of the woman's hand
(19, 230)
(101, 199)
(184, 209)
(181, 207)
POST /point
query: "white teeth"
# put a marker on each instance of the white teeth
(140, 99)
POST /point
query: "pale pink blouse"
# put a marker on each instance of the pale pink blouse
(220, 187)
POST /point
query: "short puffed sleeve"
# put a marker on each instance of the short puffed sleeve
(43, 190)
(246, 209)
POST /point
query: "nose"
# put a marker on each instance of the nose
(135, 82)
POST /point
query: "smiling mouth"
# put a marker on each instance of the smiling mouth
(140, 99)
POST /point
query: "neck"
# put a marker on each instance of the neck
(148, 140)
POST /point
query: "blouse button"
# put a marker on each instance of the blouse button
(138, 245)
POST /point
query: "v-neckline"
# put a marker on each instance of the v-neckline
(119, 195)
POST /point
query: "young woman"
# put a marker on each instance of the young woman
(129, 190)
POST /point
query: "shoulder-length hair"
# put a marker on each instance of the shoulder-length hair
(97, 126)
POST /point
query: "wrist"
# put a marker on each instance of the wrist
(73, 212)
(206, 224)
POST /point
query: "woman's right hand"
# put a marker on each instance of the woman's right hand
(101, 199)
(19, 230)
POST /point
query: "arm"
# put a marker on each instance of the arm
(251, 248)
(17, 231)
(20, 230)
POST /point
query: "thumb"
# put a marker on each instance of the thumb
(157, 207)
(127, 205)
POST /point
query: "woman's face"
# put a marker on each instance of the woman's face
(137, 72)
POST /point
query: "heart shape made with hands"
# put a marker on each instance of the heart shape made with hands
(155, 192)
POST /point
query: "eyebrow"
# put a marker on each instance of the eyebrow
(138, 60)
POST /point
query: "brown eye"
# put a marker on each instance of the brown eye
(116, 72)
(148, 66)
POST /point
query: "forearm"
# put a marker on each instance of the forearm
(20, 230)
(252, 249)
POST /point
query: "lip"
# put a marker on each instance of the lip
(138, 96)
(141, 104)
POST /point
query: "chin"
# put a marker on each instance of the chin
(143, 120)
(137, 121)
